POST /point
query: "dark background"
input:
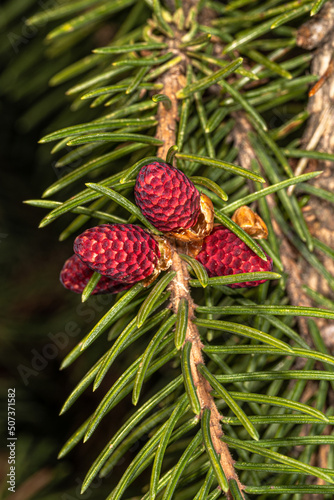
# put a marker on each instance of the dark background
(40, 320)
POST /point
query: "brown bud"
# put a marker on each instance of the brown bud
(194, 248)
(166, 253)
(164, 262)
(203, 226)
(250, 222)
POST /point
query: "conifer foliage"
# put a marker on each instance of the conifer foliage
(218, 91)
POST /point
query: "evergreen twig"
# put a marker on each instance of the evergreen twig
(180, 291)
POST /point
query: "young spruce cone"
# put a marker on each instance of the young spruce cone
(223, 253)
(123, 252)
(76, 274)
(167, 198)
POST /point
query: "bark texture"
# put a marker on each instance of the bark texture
(319, 33)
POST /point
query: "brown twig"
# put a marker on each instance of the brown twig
(173, 81)
(180, 289)
(167, 119)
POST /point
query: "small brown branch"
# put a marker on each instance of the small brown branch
(173, 81)
(180, 289)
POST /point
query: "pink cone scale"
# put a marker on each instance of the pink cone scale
(223, 253)
(122, 252)
(76, 274)
(167, 198)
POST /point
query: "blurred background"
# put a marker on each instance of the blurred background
(40, 321)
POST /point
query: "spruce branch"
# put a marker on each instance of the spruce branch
(180, 291)
(167, 118)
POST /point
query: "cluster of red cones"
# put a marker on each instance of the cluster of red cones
(125, 253)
